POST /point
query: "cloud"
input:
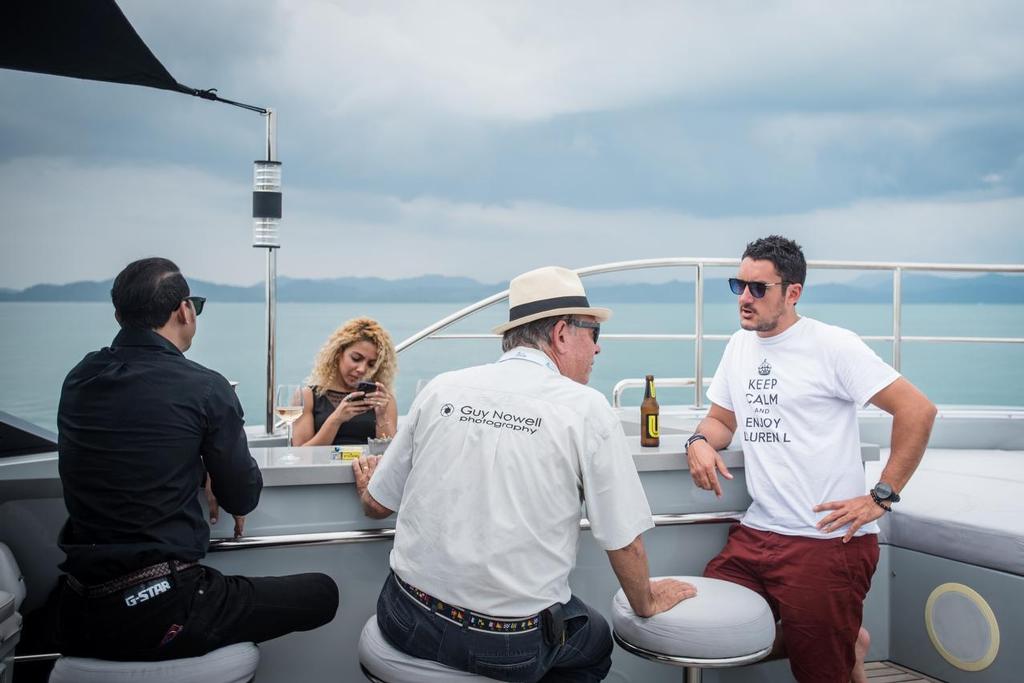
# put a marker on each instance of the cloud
(726, 107)
(73, 221)
(525, 62)
(65, 220)
(486, 138)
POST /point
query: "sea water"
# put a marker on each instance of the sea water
(40, 342)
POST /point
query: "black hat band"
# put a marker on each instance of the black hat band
(524, 310)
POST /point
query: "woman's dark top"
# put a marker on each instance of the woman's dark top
(354, 431)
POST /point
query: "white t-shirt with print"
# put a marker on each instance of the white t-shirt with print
(795, 396)
(488, 473)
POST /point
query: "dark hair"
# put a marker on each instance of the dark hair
(147, 291)
(785, 254)
(536, 334)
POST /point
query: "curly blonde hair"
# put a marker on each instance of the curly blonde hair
(325, 367)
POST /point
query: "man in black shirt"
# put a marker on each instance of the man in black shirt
(138, 423)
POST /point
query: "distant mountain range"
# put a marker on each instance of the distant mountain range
(872, 288)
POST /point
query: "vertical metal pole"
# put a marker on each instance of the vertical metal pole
(271, 288)
(271, 134)
(897, 314)
(698, 342)
(271, 318)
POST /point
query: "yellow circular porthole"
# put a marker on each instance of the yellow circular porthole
(962, 626)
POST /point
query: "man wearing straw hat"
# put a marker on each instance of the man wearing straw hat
(488, 473)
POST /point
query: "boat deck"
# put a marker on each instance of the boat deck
(887, 672)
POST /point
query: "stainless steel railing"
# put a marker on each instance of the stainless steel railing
(897, 338)
(371, 535)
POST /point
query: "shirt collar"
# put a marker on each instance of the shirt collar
(133, 336)
(529, 354)
(790, 331)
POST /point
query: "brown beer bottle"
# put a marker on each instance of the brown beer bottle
(649, 431)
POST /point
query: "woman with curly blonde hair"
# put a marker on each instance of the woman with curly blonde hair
(334, 410)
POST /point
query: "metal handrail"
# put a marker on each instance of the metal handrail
(371, 535)
(672, 382)
(698, 337)
(44, 657)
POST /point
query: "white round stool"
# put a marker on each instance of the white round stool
(230, 664)
(725, 625)
(381, 662)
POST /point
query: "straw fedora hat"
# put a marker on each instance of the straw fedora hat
(547, 292)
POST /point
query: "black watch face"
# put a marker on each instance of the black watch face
(883, 490)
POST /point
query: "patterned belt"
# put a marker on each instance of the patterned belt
(462, 616)
(153, 571)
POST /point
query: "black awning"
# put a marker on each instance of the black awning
(89, 39)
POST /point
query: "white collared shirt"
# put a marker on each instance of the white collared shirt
(488, 473)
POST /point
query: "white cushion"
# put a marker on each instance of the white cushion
(390, 664)
(10, 621)
(231, 664)
(955, 507)
(11, 579)
(7, 608)
(724, 620)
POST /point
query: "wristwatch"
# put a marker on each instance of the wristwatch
(694, 439)
(884, 496)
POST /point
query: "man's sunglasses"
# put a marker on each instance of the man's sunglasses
(587, 325)
(757, 289)
(197, 303)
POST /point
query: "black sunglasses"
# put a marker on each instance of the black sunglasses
(197, 303)
(757, 289)
(587, 325)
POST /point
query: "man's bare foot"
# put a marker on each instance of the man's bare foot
(860, 650)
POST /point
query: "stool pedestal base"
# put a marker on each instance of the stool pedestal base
(691, 666)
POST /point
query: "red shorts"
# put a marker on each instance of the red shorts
(815, 587)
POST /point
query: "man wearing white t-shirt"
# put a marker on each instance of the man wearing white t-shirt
(791, 386)
(487, 474)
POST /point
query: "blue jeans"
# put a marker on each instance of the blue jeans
(585, 654)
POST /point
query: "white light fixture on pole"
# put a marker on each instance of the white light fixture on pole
(266, 215)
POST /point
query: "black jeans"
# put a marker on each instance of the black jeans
(200, 612)
(584, 655)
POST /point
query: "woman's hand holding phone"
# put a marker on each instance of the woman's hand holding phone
(350, 406)
(380, 400)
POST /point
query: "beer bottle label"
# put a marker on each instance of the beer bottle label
(652, 426)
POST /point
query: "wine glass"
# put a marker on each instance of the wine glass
(288, 408)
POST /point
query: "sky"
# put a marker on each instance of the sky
(483, 139)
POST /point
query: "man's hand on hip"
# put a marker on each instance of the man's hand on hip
(853, 511)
